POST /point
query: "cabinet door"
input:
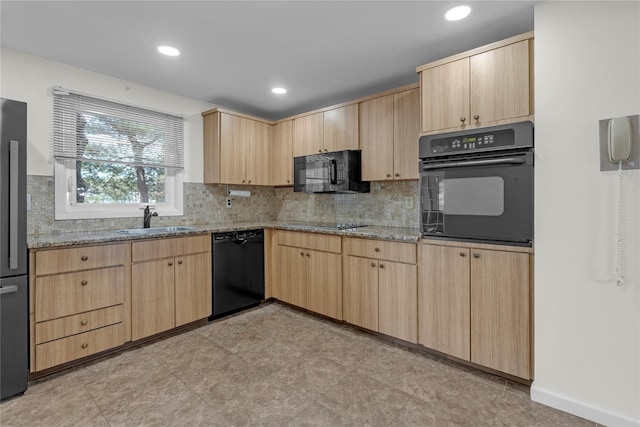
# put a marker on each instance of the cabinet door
(308, 135)
(376, 138)
(500, 311)
(192, 287)
(292, 275)
(233, 139)
(360, 306)
(500, 83)
(341, 128)
(282, 154)
(258, 152)
(445, 96)
(324, 283)
(398, 294)
(406, 127)
(152, 298)
(443, 300)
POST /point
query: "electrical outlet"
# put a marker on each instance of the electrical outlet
(228, 202)
(408, 202)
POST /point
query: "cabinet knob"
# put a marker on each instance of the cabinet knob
(170, 263)
(373, 264)
(463, 119)
(320, 150)
(180, 262)
(476, 255)
(301, 253)
(288, 181)
(83, 323)
(388, 175)
(377, 249)
(463, 254)
(85, 345)
(243, 181)
(249, 181)
(381, 265)
(397, 175)
(84, 283)
(476, 117)
(84, 257)
(326, 151)
(308, 254)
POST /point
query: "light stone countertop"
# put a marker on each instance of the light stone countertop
(41, 241)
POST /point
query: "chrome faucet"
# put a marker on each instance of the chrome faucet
(147, 217)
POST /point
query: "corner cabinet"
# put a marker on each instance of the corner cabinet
(170, 282)
(380, 287)
(331, 130)
(389, 128)
(237, 148)
(309, 271)
(475, 304)
(79, 302)
(489, 85)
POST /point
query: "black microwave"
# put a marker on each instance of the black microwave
(333, 172)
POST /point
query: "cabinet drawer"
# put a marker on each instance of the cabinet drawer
(72, 293)
(320, 242)
(165, 248)
(82, 258)
(380, 249)
(72, 325)
(74, 347)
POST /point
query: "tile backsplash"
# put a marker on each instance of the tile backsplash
(389, 203)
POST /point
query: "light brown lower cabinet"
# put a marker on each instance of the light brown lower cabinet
(380, 287)
(170, 282)
(475, 304)
(309, 273)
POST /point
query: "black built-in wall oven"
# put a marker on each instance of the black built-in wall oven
(477, 185)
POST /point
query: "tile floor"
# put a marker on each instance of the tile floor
(276, 366)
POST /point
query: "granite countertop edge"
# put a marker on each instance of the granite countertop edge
(53, 240)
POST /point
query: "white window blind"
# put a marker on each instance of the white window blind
(95, 130)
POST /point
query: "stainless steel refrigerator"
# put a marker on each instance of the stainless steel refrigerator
(14, 283)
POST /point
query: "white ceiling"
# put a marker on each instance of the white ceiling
(234, 52)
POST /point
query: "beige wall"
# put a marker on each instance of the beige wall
(587, 330)
(30, 79)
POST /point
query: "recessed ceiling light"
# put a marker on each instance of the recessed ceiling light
(457, 13)
(168, 50)
(279, 90)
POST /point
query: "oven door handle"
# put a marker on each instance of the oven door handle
(488, 162)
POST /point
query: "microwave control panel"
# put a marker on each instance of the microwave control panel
(473, 142)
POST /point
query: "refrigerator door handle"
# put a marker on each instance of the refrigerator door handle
(14, 165)
(8, 290)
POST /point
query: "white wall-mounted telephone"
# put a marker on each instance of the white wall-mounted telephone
(619, 139)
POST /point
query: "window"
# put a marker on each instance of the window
(111, 159)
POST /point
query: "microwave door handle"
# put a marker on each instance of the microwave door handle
(489, 162)
(333, 171)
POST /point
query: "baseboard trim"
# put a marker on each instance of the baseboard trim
(581, 409)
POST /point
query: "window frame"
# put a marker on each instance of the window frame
(65, 196)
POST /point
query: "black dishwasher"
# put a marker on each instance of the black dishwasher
(238, 271)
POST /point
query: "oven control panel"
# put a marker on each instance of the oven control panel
(472, 142)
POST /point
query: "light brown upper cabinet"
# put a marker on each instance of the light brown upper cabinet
(237, 149)
(389, 128)
(489, 85)
(282, 154)
(331, 130)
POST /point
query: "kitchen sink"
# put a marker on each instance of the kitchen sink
(155, 230)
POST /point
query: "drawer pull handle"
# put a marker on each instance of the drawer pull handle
(462, 254)
(377, 249)
(85, 345)
(83, 323)
(373, 264)
(84, 257)
(170, 263)
(84, 283)
(476, 255)
(381, 265)
(180, 262)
